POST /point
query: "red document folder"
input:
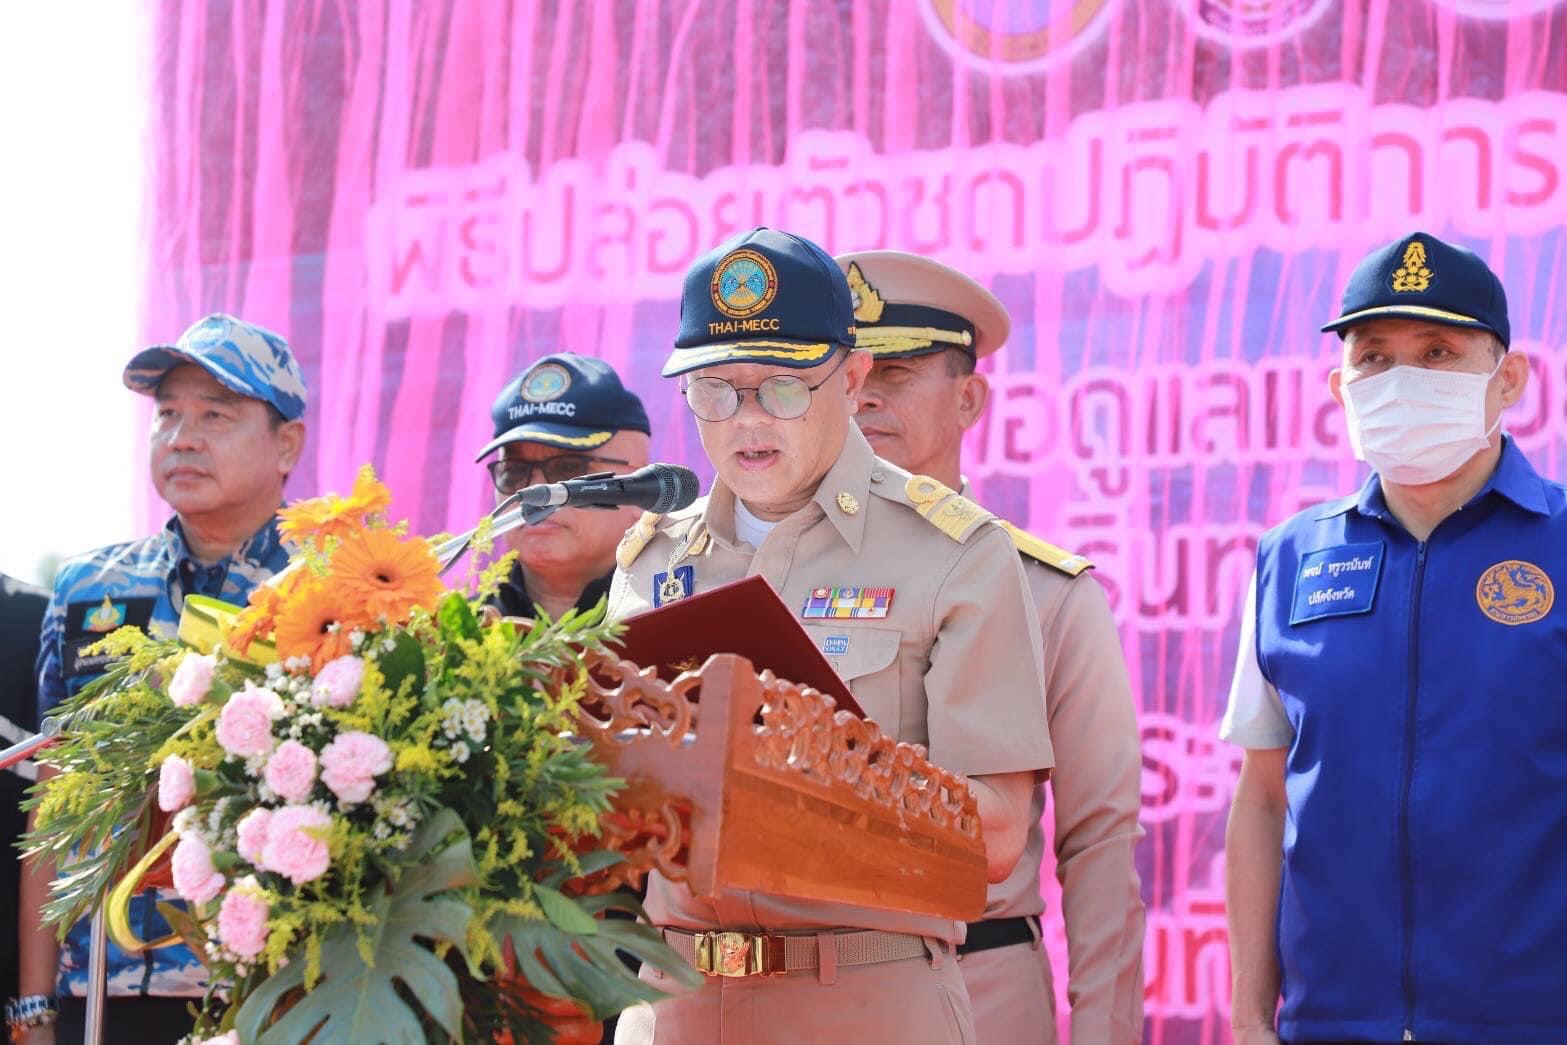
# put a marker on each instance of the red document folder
(746, 618)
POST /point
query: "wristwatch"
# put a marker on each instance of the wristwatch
(35, 1010)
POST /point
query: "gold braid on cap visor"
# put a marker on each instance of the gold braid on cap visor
(883, 340)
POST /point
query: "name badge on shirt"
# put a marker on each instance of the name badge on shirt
(86, 622)
(1336, 582)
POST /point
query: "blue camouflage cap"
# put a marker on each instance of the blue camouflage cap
(763, 297)
(567, 400)
(243, 357)
(1422, 277)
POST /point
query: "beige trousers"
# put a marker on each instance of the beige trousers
(1013, 997)
(920, 1001)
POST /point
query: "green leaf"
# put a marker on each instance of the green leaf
(406, 660)
(587, 968)
(562, 913)
(359, 1002)
(456, 618)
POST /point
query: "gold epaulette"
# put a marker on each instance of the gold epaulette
(636, 539)
(944, 508)
(1067, 562)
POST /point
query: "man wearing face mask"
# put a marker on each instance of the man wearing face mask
(1398, 693)
(913, 592)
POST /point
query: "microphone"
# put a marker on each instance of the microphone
(658, 488)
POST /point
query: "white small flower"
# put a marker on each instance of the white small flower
(388, 645)
(460, 751)
(274, 671)
(184, 821)
(356, 638)
(381, 831)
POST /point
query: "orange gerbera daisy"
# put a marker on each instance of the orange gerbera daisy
(385, 574)
(333, 515)
(315, 622)
(256, 619)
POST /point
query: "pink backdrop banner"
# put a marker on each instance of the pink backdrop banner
(1167, 194)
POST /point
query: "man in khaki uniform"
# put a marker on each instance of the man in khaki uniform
(926, 325)
(946, 657)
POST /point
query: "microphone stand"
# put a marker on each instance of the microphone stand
(509, 515)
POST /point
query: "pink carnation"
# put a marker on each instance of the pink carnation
(242, 922)
(252, 831)
(195, 878)
(176, 784)
(337, 683)
(350, 764)
(245, 723)
(192, 679)
(291, 771)
(296, 843)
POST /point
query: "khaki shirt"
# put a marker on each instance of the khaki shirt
(1097, 789)
(954, 665)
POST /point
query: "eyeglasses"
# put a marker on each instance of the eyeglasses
(512, 474)
(783, 396)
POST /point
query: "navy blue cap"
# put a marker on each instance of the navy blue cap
(762, 297)
(565, 400)
(1422, 277)
(243, 357)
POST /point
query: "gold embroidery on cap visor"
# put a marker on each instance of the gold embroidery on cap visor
(743, 284)
(1413, 276)
(785, 352)
(1515, 592)
(1413, 312)
(586, 442)
(883, 341)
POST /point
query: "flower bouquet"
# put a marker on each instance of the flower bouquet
(380, 816)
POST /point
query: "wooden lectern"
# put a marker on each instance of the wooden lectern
(746, 779)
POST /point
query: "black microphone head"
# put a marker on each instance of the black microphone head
(677, 488)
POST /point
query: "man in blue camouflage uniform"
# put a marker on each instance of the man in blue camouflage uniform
(226, 432)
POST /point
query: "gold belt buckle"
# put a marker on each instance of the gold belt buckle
(732, 954)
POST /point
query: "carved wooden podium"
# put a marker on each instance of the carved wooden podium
(744, 780)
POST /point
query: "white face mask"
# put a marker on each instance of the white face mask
(1417, 426)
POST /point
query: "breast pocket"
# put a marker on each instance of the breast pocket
(867, 659)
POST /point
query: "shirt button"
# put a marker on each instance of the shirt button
(878, 475)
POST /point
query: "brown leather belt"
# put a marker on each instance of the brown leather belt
(769, 954)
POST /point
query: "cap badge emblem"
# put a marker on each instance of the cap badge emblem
(1413, 276)
(546, 382)
(1515, 592)
(744, 283)
(868, 304)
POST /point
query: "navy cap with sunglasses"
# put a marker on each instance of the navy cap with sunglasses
(567, 400)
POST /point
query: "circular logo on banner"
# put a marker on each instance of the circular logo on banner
(545, 383)
(1515, 592)
(1252, 23)
(744, 283)
(1013, 37)
(1497, 10)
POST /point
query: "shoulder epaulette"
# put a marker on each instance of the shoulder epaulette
(1067, 562)
(944, 508)
(636, 539)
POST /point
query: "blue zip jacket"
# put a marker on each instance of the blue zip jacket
(1424, 887)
